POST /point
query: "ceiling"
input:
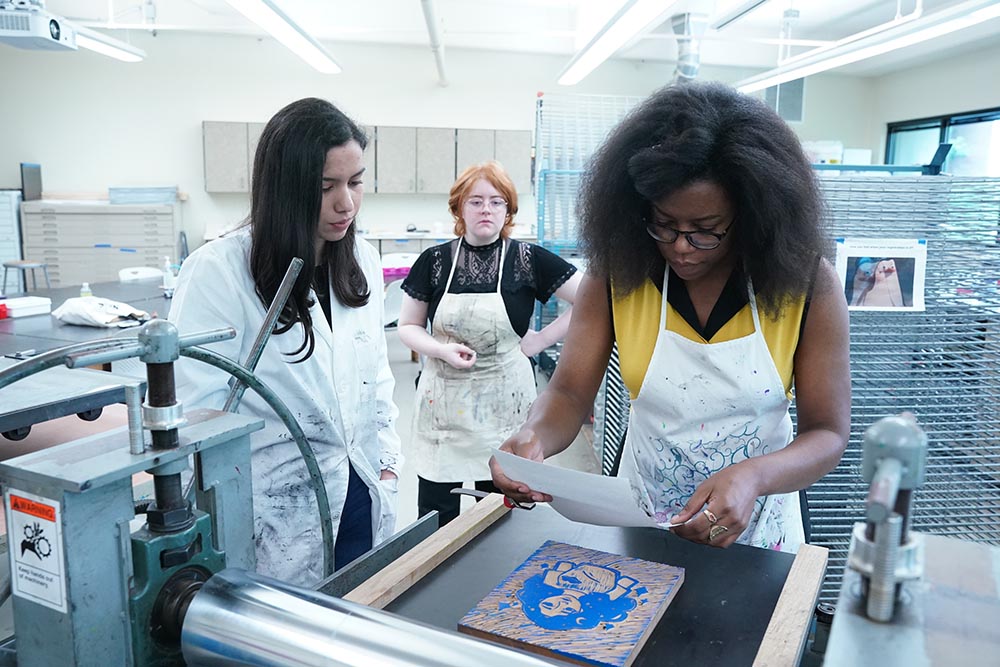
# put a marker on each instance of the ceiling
(545, 26)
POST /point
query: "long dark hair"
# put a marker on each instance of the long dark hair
(699, 131)
(285, 204)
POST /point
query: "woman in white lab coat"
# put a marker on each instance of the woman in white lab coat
(327, 356)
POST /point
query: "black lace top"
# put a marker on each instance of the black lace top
(530, 273)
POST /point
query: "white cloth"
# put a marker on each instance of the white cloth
(95, 311)
(462, 414)
(341, 396)
(701, 408)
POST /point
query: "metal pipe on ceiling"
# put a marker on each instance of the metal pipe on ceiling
(434, 33)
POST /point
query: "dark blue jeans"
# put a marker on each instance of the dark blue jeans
(354, 537)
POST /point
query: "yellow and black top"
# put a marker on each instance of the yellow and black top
(636, 319)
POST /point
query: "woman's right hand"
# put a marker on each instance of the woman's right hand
(525, 444)
(457, 355)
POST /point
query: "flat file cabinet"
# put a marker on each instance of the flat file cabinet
(10, 236)
(92, 241)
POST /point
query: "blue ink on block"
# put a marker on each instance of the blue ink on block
(575, 595)
(587, 606)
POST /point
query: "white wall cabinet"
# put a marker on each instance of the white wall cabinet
(474, 147)
(92, 241)
(512, 149)
(369, 158)
(254, 130)
(226, 156)
(396, 160)
(435, 160)
(399, 160)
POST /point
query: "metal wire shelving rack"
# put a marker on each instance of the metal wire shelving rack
(568, 129)
(941, 364)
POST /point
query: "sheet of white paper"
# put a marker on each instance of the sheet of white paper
(579, 496)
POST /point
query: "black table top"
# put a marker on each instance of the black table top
(44, 332)
(57, 392)
(718, 616)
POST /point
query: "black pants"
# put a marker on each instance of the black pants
(354, 537)
(437, 496)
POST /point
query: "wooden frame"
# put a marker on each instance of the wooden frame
(784, 639)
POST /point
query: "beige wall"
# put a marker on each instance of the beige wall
(95, 123)
(836, 109)
(966, 82)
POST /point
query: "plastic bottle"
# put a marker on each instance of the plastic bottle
(169, 279)
(85, 290)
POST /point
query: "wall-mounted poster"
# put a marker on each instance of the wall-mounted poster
(882, 274)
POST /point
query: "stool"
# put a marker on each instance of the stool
(23, 265)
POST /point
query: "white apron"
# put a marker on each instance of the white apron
(701, 408)
(461, 415)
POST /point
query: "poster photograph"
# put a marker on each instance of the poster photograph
(882, 274)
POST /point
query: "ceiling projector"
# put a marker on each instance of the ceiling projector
(29, 26)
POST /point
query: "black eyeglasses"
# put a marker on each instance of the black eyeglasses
(699, 239)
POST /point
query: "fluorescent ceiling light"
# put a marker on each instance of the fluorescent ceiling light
(958, 17)
(107, 46)
(267, 15)
(737, 12)
(634, 17)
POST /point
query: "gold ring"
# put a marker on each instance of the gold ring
(717, 529)
(710, 515)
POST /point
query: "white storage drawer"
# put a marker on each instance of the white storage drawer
(10, 237)
(92, 241)
(68, 266)
(399, 245)
(93, 208)
(97, 237)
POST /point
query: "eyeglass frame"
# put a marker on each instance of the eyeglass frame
(488, 203)
(720, 236)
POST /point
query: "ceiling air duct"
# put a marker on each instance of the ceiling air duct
(688, 28)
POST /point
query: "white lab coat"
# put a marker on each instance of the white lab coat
(341, 397)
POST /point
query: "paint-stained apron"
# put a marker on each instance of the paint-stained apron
(461, 415)
(703, 407)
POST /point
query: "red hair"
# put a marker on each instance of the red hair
(494, 173)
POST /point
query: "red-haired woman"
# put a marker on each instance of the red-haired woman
(478, 293)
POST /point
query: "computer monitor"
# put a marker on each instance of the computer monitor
(31, 181)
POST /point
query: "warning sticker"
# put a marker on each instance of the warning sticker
(34, 535)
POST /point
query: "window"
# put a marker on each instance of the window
(974, 139)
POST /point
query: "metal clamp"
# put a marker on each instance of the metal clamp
(163, 418)
(909, 557)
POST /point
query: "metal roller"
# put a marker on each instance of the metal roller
(241, 618)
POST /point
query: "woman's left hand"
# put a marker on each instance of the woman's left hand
(723, 502)
(532, 343)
